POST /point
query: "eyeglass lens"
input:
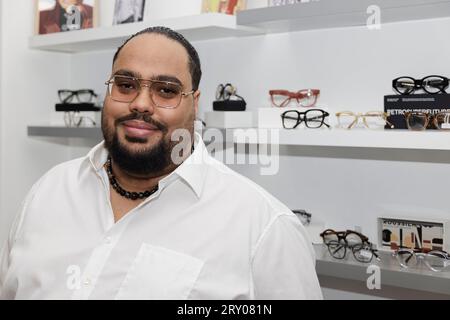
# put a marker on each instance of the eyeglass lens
(417, 121)
(442, 121)
(162, 94)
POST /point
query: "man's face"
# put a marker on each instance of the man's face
(67, 3)
(139, 133)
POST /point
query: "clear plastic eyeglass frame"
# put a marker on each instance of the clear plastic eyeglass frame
(435, 260)
(74, 119)
(370, 119)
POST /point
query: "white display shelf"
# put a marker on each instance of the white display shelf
(322, 14)
(197, 27)
(391, 139)
(387, 139)
(392, 274)
(65, 132)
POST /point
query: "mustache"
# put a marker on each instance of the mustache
(142, 117)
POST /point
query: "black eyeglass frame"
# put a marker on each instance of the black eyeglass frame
(302, 117)
(76, 93)
(341, 242)
(419, 85)
(306, 216)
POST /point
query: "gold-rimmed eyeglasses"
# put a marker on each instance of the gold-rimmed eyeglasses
(163, 94)
(371, 119)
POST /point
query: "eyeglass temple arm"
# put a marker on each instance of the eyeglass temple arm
(339, 247)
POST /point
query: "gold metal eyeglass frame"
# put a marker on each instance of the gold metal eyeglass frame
(110, 83)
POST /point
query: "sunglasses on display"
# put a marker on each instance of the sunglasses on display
(431, 84)
(304, 98)
(371, 119)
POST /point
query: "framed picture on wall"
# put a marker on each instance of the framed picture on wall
(127, 11)
(64, 15)
(223, 6)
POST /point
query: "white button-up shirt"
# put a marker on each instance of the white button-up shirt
(207, 233)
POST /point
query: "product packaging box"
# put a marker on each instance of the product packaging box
(397, 105)
(397, 233)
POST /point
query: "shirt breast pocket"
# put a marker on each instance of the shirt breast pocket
(161, 274)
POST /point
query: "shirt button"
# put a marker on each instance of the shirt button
(108, 240)
(87, 281)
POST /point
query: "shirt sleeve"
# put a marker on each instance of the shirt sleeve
(283, 264)
(6, 248)
(5, 251)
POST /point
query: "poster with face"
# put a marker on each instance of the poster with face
(64, 15)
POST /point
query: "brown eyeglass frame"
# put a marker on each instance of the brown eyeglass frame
(429, 119)
(299, 95)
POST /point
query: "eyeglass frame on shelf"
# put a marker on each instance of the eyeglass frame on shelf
(342, 236)
(420, 256)
(75, 93)
(429, 119)
(383, 115)
(299, 118)
(418, 84)
(299, 95)
(304, 217)
(225, 92)
(110, 83)
(74, 119)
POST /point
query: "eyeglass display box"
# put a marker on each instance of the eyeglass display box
(397, 105)
(399, 232)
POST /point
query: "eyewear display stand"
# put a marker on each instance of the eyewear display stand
(77, 107)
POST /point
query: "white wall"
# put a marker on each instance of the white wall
(29, 81)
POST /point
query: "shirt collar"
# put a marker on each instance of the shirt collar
(193, 170)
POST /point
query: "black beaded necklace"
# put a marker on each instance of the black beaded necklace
(122, 191)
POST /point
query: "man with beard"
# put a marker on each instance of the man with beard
(142, 217)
